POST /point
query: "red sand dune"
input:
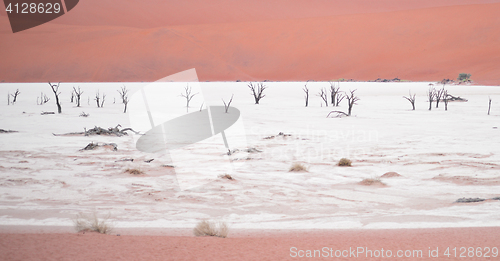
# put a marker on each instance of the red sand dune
(277, 246)
(257, 40)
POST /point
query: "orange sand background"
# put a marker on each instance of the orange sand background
(251, 246)
(298, 40)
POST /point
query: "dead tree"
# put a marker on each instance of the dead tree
(306, 90)
(43, 99)
(78, 94)
(123, 93)
(489, 105)
(55, 89)
(8, 98)
(323, 94)
(411, 99)
(430, 94)
(351, 101)
(257, 91)
(439, 96)
(72, 96)
(187, 94)
(334, 94)
(226, 106)
(14, 96)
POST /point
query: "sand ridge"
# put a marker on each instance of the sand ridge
(412, 44)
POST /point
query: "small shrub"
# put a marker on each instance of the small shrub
(92, 223)
(226, 176)
(345, 162)
(462, 77)
(213, 229)
(134, 171)
(297, 167)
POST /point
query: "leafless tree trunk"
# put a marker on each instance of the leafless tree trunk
(55, 89)
(439, 96)
(8, 98)
(334, 93)
(306, 90)
(323, 94)
(72, 96)
(430, 94)
(351, 100)
(257, 91)
(187, 94)
(78, 94)
(123, 93)
(489, 105)
(15, 96)
(125, 102)
(411, 99)
(226, 106)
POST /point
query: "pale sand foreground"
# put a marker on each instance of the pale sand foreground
(260, 245)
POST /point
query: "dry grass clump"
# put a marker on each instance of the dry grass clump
(226, 176)
(297, 167)
(343, 162)
(134, 171)
(92, 223)
(372, 182)
(209, 228)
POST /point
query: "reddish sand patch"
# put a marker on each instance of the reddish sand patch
(242, 41)
(266, 246)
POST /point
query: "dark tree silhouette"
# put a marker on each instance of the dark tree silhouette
(257, 91)
(411, 99)
(55, 89)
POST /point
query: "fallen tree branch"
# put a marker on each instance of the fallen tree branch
(339, 114)
(100, 131)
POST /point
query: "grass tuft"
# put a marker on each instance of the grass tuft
(297, 167)
(343, 162)
(134, 171)
(92, 223)
(213, 229)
